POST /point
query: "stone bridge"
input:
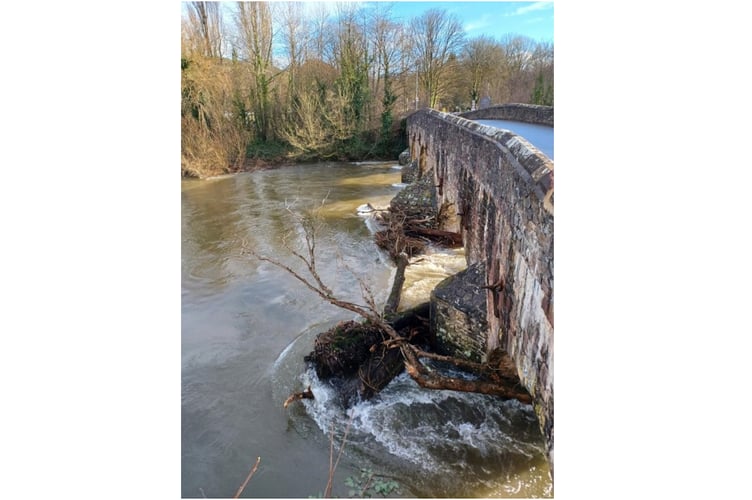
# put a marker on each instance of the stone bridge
(496, 189)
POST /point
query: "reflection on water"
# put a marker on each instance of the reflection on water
(246, 326)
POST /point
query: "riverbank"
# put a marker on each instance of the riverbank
(254, 164)
(274, 154)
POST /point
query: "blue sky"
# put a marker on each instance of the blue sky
(494, 19)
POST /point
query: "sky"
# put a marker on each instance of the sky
(495, 19)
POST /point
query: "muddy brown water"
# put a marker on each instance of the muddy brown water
(246, 326)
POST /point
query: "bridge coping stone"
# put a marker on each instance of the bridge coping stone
(530, 159)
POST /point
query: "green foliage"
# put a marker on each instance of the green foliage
(352, 82)
(367, 483)
(387, 119)
(543, 92)
(271, 151)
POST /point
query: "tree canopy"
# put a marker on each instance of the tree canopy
(275, 80)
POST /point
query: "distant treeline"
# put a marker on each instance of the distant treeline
(272, 81)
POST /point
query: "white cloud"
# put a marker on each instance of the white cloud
(532, 7)
(483, 22)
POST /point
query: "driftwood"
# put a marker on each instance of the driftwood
(360, 359)
(339, 351)
(410, 234)
(446, 238)
(394, 241)
(392, 303)
(307, 394)
(432, 380)
(247, 478)
(385, 364)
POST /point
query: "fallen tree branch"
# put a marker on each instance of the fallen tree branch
(392, 303)
(448, 238)
(435, 381)
(307, 394)
(248, 478)
(458, 362)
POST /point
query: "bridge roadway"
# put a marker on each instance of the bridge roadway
(540, 136)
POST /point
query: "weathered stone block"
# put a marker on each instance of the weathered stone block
(410, 172)
(417, 199)
(404, 157)
(458, 314)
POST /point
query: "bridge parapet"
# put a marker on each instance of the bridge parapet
(527, 113)
(497, 190)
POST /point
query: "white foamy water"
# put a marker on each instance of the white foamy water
(428, 270)
(434, 433)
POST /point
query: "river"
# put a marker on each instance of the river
(246, 326)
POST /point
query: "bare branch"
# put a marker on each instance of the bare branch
(248, 478)
(322, 292)
(365, 289)
(307, 222)
(333, 467)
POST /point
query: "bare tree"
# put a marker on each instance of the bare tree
(386, 37)
(353, 59)
(212, 142)
(206, 21)
(307, 129)
(518, 77)
(480, 58)
(294, 39)
(542, 66)
(319, 27)
(254, 22)
(436, 37)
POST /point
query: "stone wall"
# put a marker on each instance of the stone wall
(458, 314)
(528, 113)
(497, 190)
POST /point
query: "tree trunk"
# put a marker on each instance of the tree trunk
(393, 301)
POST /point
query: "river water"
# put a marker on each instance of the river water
(246, 326)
